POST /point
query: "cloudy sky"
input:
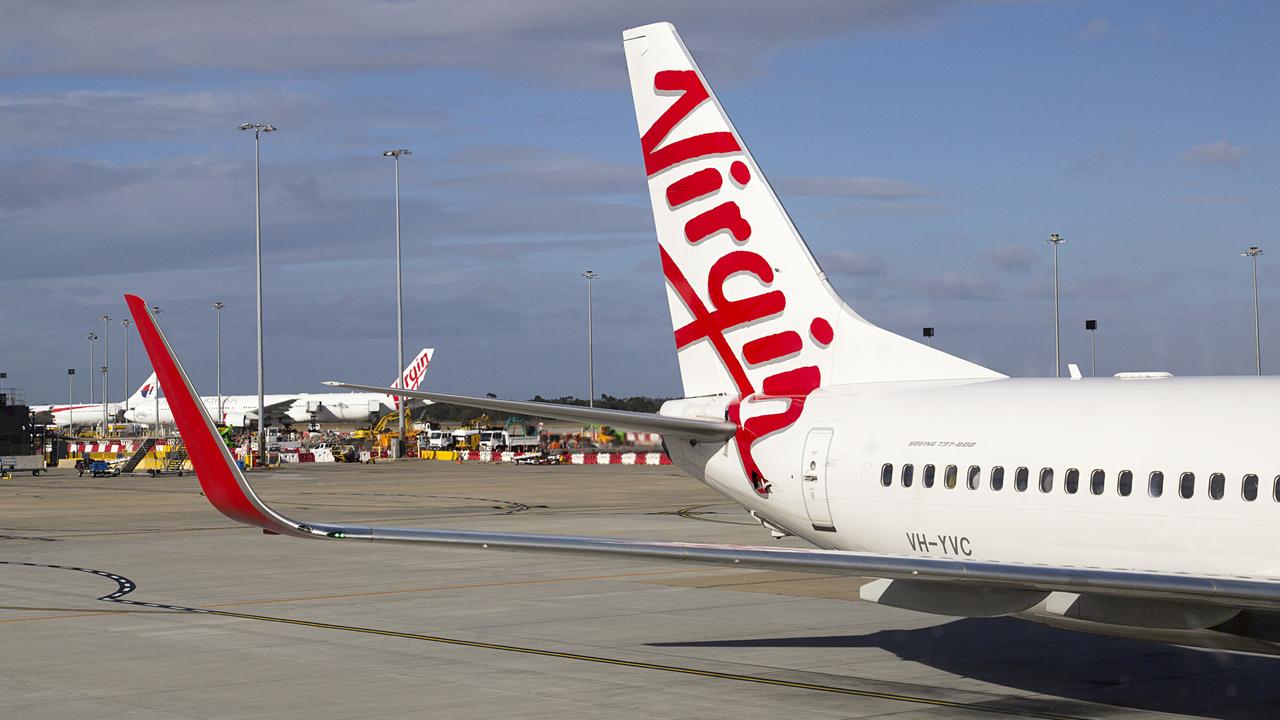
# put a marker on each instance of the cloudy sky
(925, 149)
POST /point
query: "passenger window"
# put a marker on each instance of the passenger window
(1187, 485)
(1097, 482)
(949, 477)
(1249, 488)
(886, 474)
(1020, 479)
(927, 480)
(974, 476)
(1124, 483)
(1155, 484)
(997, 478)
(908, 471)
(1071, 483)
(1046, 480)
(1217, 486)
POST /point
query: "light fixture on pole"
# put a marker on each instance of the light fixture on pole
(397, 154)
(590, 275)
(71, 406)
(1092, 327)
(126, 322)
(258, 129)
(1252, 253)
(155, 311)
(92, 338)
(217, 313)
(1055, 240)
(106, 362)
(928, 336)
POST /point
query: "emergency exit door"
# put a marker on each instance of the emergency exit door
(813, 478)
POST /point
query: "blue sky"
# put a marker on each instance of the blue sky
(925, 149)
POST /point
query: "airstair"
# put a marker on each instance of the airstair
(138, 456)
(175, 457)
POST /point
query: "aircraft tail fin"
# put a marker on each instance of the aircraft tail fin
(146, 391)
(752, 311)
(411, 377)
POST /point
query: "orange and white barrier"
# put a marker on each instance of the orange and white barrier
(602, 458)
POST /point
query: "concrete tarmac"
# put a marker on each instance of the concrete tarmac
(132, 597)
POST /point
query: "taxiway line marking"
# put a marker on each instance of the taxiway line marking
(468, 586)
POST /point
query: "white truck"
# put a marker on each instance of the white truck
(517, 439)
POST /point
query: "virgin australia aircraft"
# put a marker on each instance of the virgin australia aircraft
(1127, 507)
(240, 410)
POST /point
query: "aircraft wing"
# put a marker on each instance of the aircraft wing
(276, 409)
(230, 493)
(693, 428)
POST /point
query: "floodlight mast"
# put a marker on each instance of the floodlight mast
(258, 129)
(106, 363)
(400, 402)
(217, 313)
(1252, 253)
(1055, 240)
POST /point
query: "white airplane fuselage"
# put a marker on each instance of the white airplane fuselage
(239, 409)
(1202, 426)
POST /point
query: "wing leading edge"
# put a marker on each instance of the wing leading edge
(704, 429)
(231, 494)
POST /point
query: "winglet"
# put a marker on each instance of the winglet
(219, 477)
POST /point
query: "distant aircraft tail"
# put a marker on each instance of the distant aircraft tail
(752, 311)
(146, 391)
(411, 377)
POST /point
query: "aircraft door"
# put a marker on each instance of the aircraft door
(813, 478)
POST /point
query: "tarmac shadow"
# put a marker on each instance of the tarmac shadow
(1126, 674)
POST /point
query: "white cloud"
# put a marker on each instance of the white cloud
(569, 42)
(1095, 28)
(855, 264)
(872, 188)
(1217, 153)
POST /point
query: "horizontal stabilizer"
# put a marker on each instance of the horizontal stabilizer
(693, 428)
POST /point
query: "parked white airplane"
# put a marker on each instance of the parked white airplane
(1141, 508)
(240, 410)
(88, 414)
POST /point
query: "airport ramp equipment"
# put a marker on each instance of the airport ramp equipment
(175, 456)
(138, 455)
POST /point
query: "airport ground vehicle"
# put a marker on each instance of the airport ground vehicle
(10, 464)
(895, 460)
(515, 439)
(100, 468)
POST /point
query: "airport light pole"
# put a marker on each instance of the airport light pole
(1092, 327)
(126, 322)
(1252, 253)
(103, 369)
(397, 154)
(92, 339)
(71, 409)
(217, 314)
(258, 129)
(928, 336)
(155, 312)
(106, 362)
(590, 275)
(1055, 240)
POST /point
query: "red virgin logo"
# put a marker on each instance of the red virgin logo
(711, 324)
(413, 376)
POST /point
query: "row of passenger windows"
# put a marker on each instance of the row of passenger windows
(1071, 480)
